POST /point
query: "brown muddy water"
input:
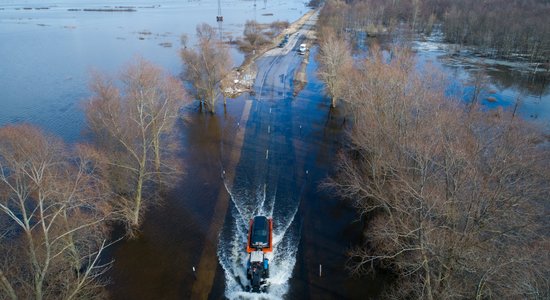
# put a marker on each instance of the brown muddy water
(311, 227)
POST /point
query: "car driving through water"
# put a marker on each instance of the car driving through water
(259, 243)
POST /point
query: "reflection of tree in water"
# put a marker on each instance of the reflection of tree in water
(525, 81)
(536, 84)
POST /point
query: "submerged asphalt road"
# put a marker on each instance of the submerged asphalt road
(289, 148)
(276, 67)
(266, 154)
(260, 150)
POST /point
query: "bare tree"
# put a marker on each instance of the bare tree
(334, 60)
(479, 85)
(162, 97)
(278, 26)
(257, 36)
(454, 198)
(254, 36)
(333, 14)
(132, 127)
(55, 206)
(489, 26)
(206, 66)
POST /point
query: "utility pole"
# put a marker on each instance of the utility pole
(219, 19)
(254, 10)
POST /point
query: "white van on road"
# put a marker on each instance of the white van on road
(302, 50)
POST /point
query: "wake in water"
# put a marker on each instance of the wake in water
(247, 202)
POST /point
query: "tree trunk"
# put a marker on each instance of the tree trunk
(72, 247)
(425, 262)
(138, 198)
(213, 104)
(7, 286)
(156, 147)
(428, 280)
(38, 278)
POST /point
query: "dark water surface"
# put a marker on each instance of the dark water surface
(311, 226)
(158, 265)
(290, 147)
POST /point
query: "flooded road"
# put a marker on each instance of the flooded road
(271, 175)
(265, 154)
(274, 148)
(262, 154)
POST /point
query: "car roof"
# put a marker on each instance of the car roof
(260, 221)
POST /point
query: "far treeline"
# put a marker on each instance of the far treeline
(499, 28)
(453, 198)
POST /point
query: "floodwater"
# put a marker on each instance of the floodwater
(48, 48)
(311, 228)
(289, 147)
(508, 83)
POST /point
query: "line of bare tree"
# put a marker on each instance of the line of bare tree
(54, 205)
(454, 199)
(256, 35)
(501, 28)
(58, 203)
(497, 27)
